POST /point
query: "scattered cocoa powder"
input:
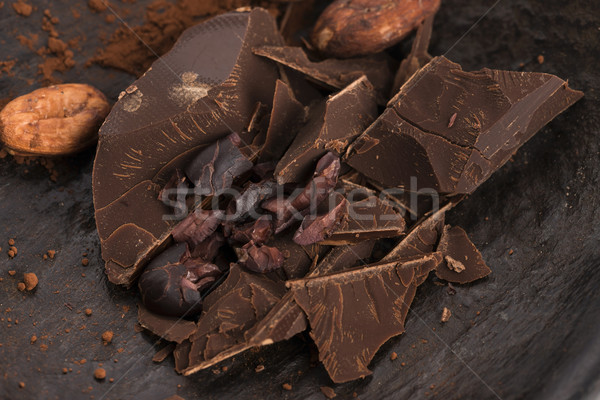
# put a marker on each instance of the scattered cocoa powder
(6, 66)
(21, 286)
(31, 280)
(165, 21)
(107, 337)
(100, 373)
(22, 8)
(286, 386)
(110, 18)
(51, 253)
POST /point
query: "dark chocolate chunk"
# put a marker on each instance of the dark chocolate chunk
(368, 219)
(258, 231)
(169, 328)
(423, 237)
(496, 113)
(462, 261)
(230, 310)
(352, 313)
(287, 117)
(163, 353)
(296, 260)
(250, 199)
(287, 319)
(336, 73)
(331, 127)
(205, 88)
(418, 55)
(215, 168)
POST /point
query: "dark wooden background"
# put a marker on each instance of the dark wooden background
(529, 331)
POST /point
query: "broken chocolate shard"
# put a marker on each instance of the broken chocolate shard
(206, 87)
(331, 127)
(335, 73)
(352, 313)
(462, 261)
(163, 353)
(217, 166)
(368, 219)
(418, 55)
(287, 117)
(169, 328)
(423, 237)
(232, 309)
(496, 113)
(287, 319)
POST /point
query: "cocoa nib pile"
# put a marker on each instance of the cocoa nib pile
(254, 190)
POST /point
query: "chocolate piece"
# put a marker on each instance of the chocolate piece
(287, 117)
(163, 353)
(250, 198)
(418, 56)
(215, 168)
(332, 126)
(296, 260)
(206, 87)
(169, 328)
(462, 261)
(258, 232)
(423, 237)
(497, 112)
(368, 219)
(287, 319)
(230, 310)
(352, 313)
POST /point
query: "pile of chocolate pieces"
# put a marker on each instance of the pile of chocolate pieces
(254, 192)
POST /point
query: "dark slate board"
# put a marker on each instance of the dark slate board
(528, 331)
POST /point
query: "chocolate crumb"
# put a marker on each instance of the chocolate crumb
(85, 262)
(100, 373)
(446, 314)
(510, 252)
(259, 368)
(12, 272)
(21, 286)
(21, 385)
(286, 386)
(11, 242)
(64, 370)
(88, 311)
(51, 253)
(393, 356)
(540, 59)
(97, 5)
(328, 392)
(107, 337)
(31, 280)
(455, 265)
(33, 339)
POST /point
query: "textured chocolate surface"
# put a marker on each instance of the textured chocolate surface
(187, 99)
(453, 144)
